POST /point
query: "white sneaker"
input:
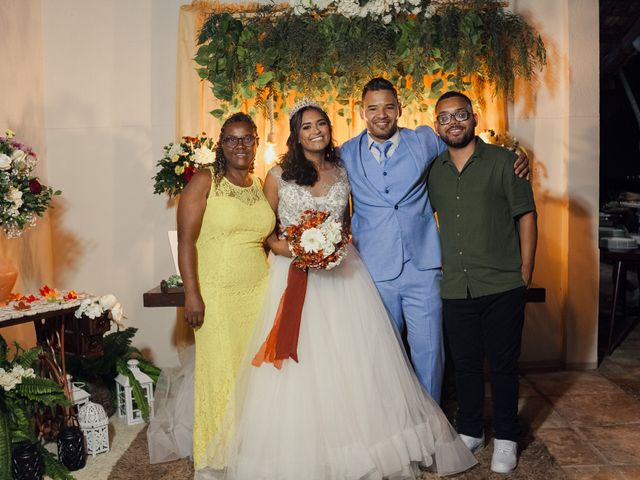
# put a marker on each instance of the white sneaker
(475, 444)
(505, 456)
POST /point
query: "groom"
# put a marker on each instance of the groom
(394, 227)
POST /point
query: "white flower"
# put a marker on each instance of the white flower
(93, 310)
(332, 230)
(89, 307)
(18, 156)
(15, 196)
(328, 248)
(312, 240)
(377, 8)
(81, 308)
(350, 8)
(430, 11)
(5, 162)
(117, 314)
(323, 4)
(9, 380)
(107, 301)
(299, 10)
(386, 19)
(203, 156)
(175, 151)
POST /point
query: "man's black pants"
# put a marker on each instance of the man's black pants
(491, 327)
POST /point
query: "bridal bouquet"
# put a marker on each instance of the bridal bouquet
(22, 196)
(180, 161)
(318, 241)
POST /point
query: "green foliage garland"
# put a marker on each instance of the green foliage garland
(328, 56)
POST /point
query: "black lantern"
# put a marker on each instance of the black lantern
(71, 450)
(26, 462)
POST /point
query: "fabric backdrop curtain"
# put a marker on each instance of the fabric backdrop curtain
(195, 100)
(22, 110)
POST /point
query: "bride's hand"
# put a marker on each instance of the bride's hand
(278, 246)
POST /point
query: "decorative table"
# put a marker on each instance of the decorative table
(57, 326)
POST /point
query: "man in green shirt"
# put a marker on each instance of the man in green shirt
(487, 223)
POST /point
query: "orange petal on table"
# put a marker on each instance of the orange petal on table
(21, 306)
(14, 296)
(46, 290)
(71, 295)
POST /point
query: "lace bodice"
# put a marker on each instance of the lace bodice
(295, 199)
(247, 195)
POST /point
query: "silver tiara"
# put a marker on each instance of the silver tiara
(303, 103)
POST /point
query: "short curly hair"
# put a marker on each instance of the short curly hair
(220, 163)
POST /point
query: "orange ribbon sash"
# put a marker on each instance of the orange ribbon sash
(282, 341)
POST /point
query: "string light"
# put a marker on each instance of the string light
(270, 152)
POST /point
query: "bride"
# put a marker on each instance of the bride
(351, 406)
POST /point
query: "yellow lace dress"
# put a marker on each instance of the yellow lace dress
(233, 274)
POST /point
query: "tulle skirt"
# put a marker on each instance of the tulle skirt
(350, 409)
(170, 432)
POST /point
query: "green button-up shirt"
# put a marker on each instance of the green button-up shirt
(477, 215)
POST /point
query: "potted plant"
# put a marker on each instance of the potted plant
(100, 373)
(22, 391)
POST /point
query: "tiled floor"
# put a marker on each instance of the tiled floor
(590, 421)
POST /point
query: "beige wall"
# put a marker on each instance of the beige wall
(109, 76)
(558, 120)
(21, 110)
(109, 69)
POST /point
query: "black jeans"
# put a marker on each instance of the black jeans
(491, 327)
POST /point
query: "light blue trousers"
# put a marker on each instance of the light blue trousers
(413, 301)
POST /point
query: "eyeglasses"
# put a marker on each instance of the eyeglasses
(459, 115)
(232, 141)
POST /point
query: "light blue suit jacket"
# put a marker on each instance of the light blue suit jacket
(387, 231)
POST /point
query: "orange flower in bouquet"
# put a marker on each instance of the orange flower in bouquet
(317, 241)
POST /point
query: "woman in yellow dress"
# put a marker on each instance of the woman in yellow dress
(223, 220)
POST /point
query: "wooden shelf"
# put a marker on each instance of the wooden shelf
(174, 297)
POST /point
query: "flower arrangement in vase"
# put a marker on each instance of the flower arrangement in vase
(22, 196)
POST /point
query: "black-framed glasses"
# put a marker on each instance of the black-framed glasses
(231, 141)
(459, 115)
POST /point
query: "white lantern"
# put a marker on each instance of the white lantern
(79, 397)
(94, 424)
(127, 407)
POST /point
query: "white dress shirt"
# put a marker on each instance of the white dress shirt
(395, 140)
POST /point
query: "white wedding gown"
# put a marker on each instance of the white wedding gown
(352, 408)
